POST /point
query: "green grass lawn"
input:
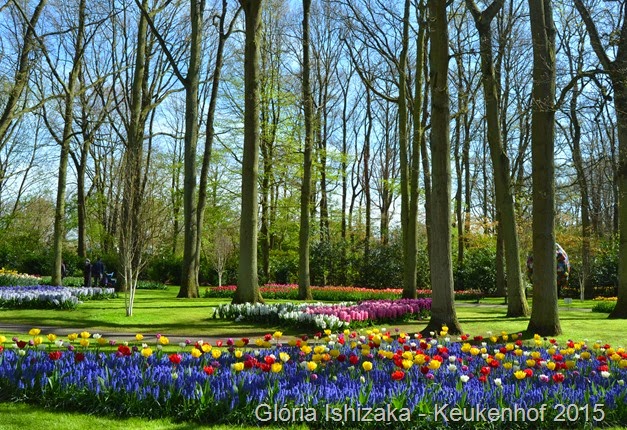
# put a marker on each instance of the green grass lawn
(160, 311)
(19, 416)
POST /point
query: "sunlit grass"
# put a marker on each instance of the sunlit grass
(159, 311)
(19, 416)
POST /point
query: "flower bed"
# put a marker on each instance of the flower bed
(321, 316)
(332, 293)
(12, 277)
(355, 380)
(49, 297)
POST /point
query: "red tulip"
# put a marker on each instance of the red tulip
(398, 375)
(55, 355)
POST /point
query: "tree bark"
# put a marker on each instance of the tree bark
(248, 285)
(443, 296)
(304, 280)
(191, 248)
(516, 303)
(68, 119)
(544, 314)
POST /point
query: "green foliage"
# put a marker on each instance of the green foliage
(150, 285)
(603, 277)
(604, 307)
(333, 263)
(478, 271)
(165, 268)
(383, 268)
(285, 267)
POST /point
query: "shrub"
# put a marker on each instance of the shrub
(383, 268)
(604, 307)
(165, 269)
(150, 285)
(478, 271)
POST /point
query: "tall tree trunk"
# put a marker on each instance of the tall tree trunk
(409, 277)
(223, 34)
(443, 296)
(516, 302)
(616, 70)
(544, 314)
(410, 263)
(304, 280)
(68, 119)
(191, 249)
(248, 284)
(366, 173)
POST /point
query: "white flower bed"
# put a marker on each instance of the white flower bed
(45, 296)
(280, 313)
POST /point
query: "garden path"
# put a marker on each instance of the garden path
(119, 337)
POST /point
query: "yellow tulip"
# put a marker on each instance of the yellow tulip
(51, 337)
(238, 354)
(239, 343)
(306, 349)
(419, 359)
(407, 364)
(466, 347)
(367, 366)
(285, 357)
(550, 365)
(146, 352)
(139, 337)
(530, 362)
(85, 335)
(312, 365)
(216, 353)
(474, 351)
(519, 374)
(499, 356)
(277, 334)
(205, 347)
(2, 339)
(518, 352)
(84, 343)
(196, 352)
(34, 331)
(623, 364)
(276, 367)
(238, 367)
(570, 364)
(507, 365)
(316, 357)
(434, 364)
(320, 349)
(164, 340)
(102, 341)
(586, 355)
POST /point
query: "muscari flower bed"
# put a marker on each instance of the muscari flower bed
(356, 381)
(324, 316)
(49, 297)
(332, 293)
